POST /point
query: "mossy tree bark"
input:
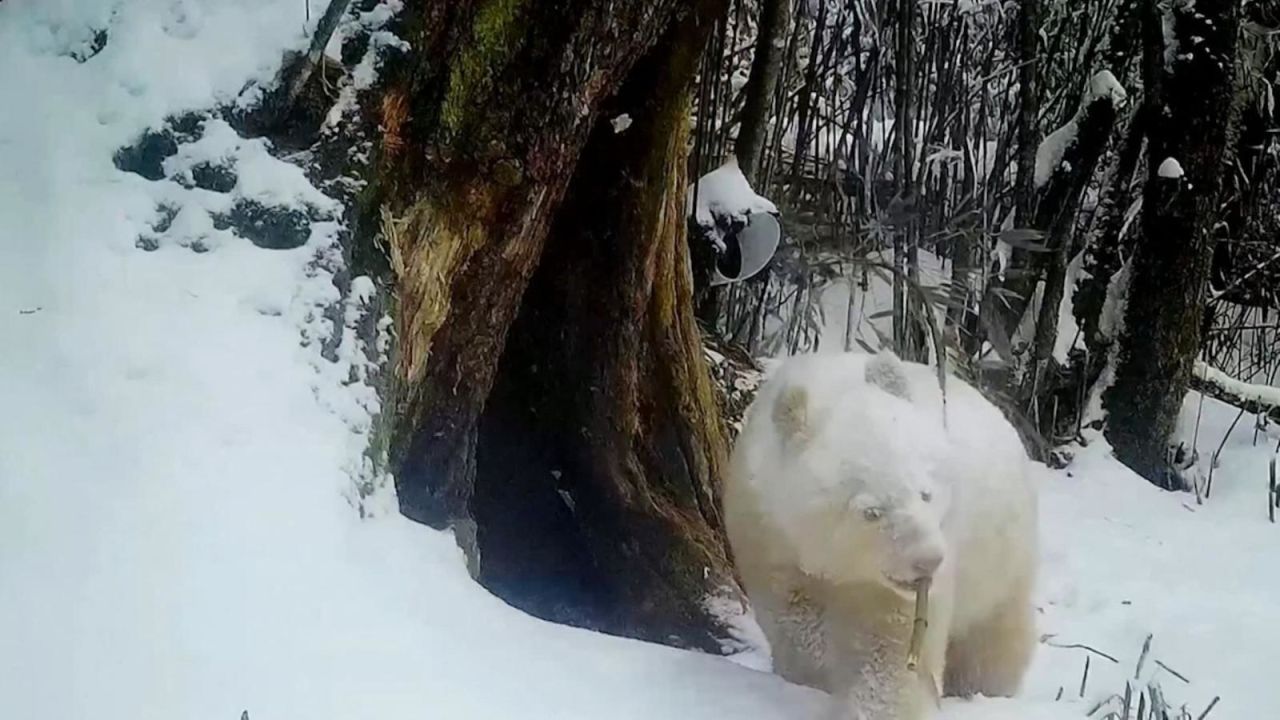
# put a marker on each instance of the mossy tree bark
(552, 401)
(1191, 96)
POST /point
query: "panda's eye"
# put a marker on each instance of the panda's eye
(926, 496)
(872, 514)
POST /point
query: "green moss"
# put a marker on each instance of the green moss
(367, 258)
(493, 40)
(381, 434)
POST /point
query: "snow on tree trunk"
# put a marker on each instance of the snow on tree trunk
(552, 402)
(1089, 132)
(1191, 86)
(1065, 161)
(1108, 244)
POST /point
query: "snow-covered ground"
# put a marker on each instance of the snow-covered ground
(177, 459)
(176, 538)
(1123, 561)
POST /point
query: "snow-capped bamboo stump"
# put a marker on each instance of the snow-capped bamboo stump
(919, 624)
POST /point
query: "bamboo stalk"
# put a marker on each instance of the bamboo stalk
(1272, 498)
(1212, 704)
(1142, 659)
(919, 624)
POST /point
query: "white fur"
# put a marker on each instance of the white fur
(846, 485)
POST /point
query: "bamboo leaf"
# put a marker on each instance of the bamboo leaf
(996, 335)
(1028, 239)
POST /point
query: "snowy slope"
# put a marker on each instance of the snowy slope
(1125, 561)
(175, 461)
(177, 539)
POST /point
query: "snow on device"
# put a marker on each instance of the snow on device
(741, 225)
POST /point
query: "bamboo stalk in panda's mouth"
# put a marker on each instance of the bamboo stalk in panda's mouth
(919, 624)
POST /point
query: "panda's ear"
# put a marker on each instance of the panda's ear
(791, 415)
(885, 371)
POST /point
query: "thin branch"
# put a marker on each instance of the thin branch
(1173, 672)
(1079, 646)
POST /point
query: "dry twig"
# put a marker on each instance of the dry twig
(1173, 672)
(1044, 640)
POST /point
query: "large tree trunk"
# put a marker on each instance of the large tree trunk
(566, 427)
(1171, 260)
(771, 44)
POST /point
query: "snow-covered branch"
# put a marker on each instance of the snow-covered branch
(1253, 398)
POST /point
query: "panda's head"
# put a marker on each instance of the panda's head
(860, 498)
